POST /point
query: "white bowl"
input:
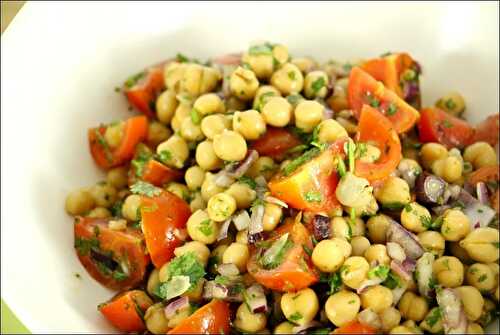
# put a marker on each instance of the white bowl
(61, 62)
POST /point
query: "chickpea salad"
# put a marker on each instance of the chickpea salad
(260, 192)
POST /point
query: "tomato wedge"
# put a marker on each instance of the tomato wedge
(135, 131)
(126, 309)
(489, 175)
(312, 185)
(275, 143)
(142, 89)
(364, 89)
(116, 259)
(355, 327)
(376, 129)
(296, 271)
(213, 318)
(164, 220)
(154, 173)
(487, 131)
(436, 125)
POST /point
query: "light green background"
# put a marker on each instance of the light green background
(10, 324)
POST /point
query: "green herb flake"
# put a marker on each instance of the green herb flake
(408, 208)
(372, 101)
(274, 256)
(447, 124)
(482, 278)
(248, 181)
(181, 58)
(450, 104)
(294, 99)
(295, 316)
(261, 49)
(297, 162)
(116, 209)
(144, 188)
(380, 271)
(318, 84)
(205, 227)
(495, 244)
(312, 196)
(392, 281)
(195, 116)
(83, 245)
(341, 167)
(391, 109)
(263, 99)
(77, 275)
(132, 80)
(351, 302)
(434, 316)
(291, 75)
(164, 156)
(139, 162)
(361, 149)
(307, 250)
(119, 276)
(104, 144)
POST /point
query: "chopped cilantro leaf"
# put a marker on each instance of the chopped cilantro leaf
(297, 162)
(83, 245)
(291, 75)
(164, 156)
(333, 280)
(185, 265)
(261, 49)
(263, 99)
(408, 208)
(249, 181)
(274, 256)
(450, 104)
(205, 227)
(380, 271)
(119, 276)
(341, 167)
(195, 116)
(307, 250)
(392, 109)
(313, 196)
(146, 189)
(182, 58)
(482, 278)
(392, 281)
(447, 124)
(140, 161)
(318, 84)
(132, 80)
(434, 316)
(295, 316)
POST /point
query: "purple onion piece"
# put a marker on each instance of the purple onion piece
(176, 305)
(424, 268)
(479, 214)
(430, 189)
(398, 292)
(255, 226)
(368, 283)
(398, 234)
(228, 59)
(395, 251)
(256, 299)
(254, 238)
(245, 164)
(439, 210)
(275, 201)
(454, 318)
(321, 227)
(223, 179)
(400, 270)
(303, 328)
(482, 193)
(212, 290)
(241, 220)
(224, 229)
(409, 265)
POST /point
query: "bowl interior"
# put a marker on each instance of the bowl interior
(61, 62)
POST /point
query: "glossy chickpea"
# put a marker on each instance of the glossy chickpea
(242, 194)
(305, 64)
(459, 252)
(209, 188)
(195, 294)
(377, 226)
(191, 80)
(200, 228)
(394, 191)
(277, 111)
(194, 177)
(480, 154)
(197, 202)
(221, 206)
(191, 131)
(209, 103)
(371, 154)
(79, 202)
(377, 298)
(260, 64)
(131, 206)
(432, 242)
(262, 96)
(354, 271)
(173, 74)
(481, 277)
(300, 307)
(284, 328)
(177, 151)
(263, 166)
(410, 169)
(402, 330)
(179, 190)
(328, 255)
(456, 225)
(482, 244)
(272, 216)
(242, 236)
(114, 134)
(214, 124)
(330, 130)
(166, 104)
(415, 217)
(182, 112)
(205, 156)
(117, 178)
(449, 168)
(210, 79)
(249, 124)
(359, 245)
(431, 152)
(433, 322)
(230, 146)
(348, 125)
(473, 301)
(448, 271)
(452, 103)
(474, 328)
(237, 254)
(338, 100)
(377, 253)
(340, 227)
(153, 282)
(342, 307)
(308, 114)
(390, 318)
(413, 307)
(199, 249)
(104, 194)
(280, 54)
(247, 321)
(179, 316)
(155, 319)
(243, 84)
(316, 84)
(157, 133)
(288, 79)
(412, 326)
(99, 213)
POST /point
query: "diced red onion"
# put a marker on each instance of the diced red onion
(231, 172)
(308, 325)
(241, 220)
(256, 299)
(398, 292)
(370, 318)
(176, 305)
(396, 252)
(398, 234)
(479, 214)
(482, 193)
(212, 290)
(399, 269)
(411, 90)
(246, 163)
(321, 227)
(275, 201)
(228, 269)
(228, 59)
(424, 269)
(367, 283)
(254, 238)
(429, 188)
(255, 226)
(223, 179)
(224, 229)
(409, 265)
(327, 113)
(454, 318)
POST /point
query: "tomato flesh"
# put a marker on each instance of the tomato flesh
(213, 318)
(142, 95)
(122, 310)
(275, 143)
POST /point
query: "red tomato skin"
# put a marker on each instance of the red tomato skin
(275, 143)
(142, 96)
(213, 318)
(121, 311)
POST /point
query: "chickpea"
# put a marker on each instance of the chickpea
(459, 252)
(482, 244)
(272, 216)
(249, 124)
(173, 74)
(411, 325)
(182, 112)
(242, 236)
(316, 84)
(277, 111)
(155, 319)
(243, 84)
(342, 307)
(262, 96)
(238, 254)
(481, 277)
(114, 134)
(194, 177)
(330, 130)
(153, 281)
(474, 328)
(214, 124)
(191, 80)
(264, 166)
(452, 103)
(166, 104)
(284, 328)
(288, 79)
(131, 207)
(305, 64)
(432, 242)
(433, 322)
(209, 188)
(480, 154)
(431, 152)
(300, 307)
(260, 64)
(209, 103)
(206, 157)
(328, 255)
(353, 191)
(197, 202)
(308, 114)
(100, 213)
(473, 301)
(280, 54)
(377, 298)
(394, 191)
(449, 168)
(340, 228)
(179, 190)
(415, 217)
(199, 249)
(377, 253)
(191, 131)
(104, 195)
(448, 271)
(117, 177)
(242, 194)
(402, 330)
(175, 150)
(201, 228)
(79, 202)
(210, 79)
(220, 207)
(413, 307)
(179, 316)
(359, 245)
(230, 146)
(371, 154)
(390, 318)
(410, 169)
(247, 321)
(377, 226)
(338, 100)
(349, 126)
(354, 271)
(233, 104)
(157, 133)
